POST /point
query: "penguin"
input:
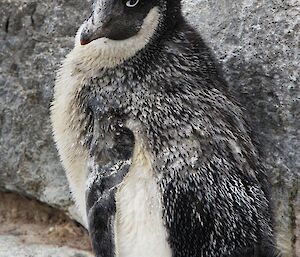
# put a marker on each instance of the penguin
(157, 153)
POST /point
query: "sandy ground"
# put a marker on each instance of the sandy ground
(29, 228)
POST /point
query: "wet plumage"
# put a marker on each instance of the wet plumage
(163, 117)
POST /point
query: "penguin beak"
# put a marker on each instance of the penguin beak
(85, 38)
(88, 35)
(100, 23)
(108, 20)
(91, 32)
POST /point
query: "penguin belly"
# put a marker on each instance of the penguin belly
(139, 228)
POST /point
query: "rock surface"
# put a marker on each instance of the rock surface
(257, 43)
(32, 229)
(35, 36)
(13, 246)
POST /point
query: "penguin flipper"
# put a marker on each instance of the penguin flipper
(101, 205)
(107, 166)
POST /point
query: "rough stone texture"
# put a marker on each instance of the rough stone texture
(12, 246)
(28, 225)
(35, 36)
(29, 228)
(256, 41)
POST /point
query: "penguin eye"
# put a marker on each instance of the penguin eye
(132, 3)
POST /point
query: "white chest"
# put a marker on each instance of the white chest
(139, 230)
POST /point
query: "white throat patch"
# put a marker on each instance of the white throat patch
(104, 52)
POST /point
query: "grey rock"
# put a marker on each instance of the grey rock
(11, 246)
(256, 42)
(34, 36)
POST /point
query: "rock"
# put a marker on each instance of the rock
(255, 41)
(35, 36)
(12, 246)
(30, 228)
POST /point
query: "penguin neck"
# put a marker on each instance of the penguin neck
(107, 53)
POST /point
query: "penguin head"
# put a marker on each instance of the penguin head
(123, 19)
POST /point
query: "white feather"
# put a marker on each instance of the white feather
(139, 223)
